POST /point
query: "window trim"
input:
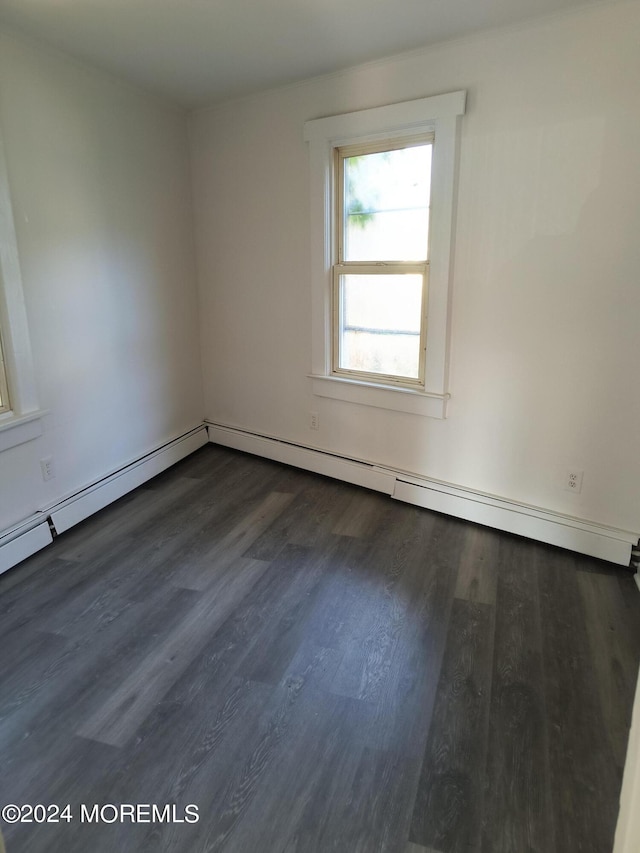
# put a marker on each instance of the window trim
(22, 421)
(438, 115)
(5, 400)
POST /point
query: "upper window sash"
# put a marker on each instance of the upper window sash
(347, 152)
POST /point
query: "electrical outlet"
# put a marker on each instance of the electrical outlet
(314, 420)
(46, 466)
(573, 481)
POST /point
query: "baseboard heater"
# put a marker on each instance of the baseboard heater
(31, 535)
(574, 534)
(19, 542)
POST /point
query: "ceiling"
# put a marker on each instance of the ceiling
(201, 51)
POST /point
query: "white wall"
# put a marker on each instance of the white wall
(628, 829)
(544, 369)
(99, 179)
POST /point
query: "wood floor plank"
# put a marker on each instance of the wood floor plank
(305, 812)
(361, 515)
(203, 781)
(109, 589)
(275, 646)
(371, 642)
(378, 814)
(339, 604)
(518, 813)
(614, 638)
(447, 813)
(244, 783)
(582, 763)
(418, 848)
(28, 574)
(31, 600)
(237, 647)
(206, 463)
(126, 517)
(401, 713)
(79, 765)
(217, 557)
(216, 503)
(201, 741)
(240, 637)
(28, 668)
(477, 572)
(311, 767)
(73, 679)
(320, 511)
(185, 532)
(308, 520)
(118, 720)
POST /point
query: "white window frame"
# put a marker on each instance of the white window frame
(5, 403)
(343, 267)
(23, 421)
(439, 115)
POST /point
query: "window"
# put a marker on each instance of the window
(382, 195)
(20, 417)
(380, 275)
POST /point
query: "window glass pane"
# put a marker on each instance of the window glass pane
(386, 201)
(380, 324)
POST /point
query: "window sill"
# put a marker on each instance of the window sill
(15, 430)
(420, 403)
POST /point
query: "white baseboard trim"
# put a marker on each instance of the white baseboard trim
(348, 470)
(571, 533)
(574, 534)
(100, 494)
(31, 535)
(21, 542)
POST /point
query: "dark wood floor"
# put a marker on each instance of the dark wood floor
(317, 668)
